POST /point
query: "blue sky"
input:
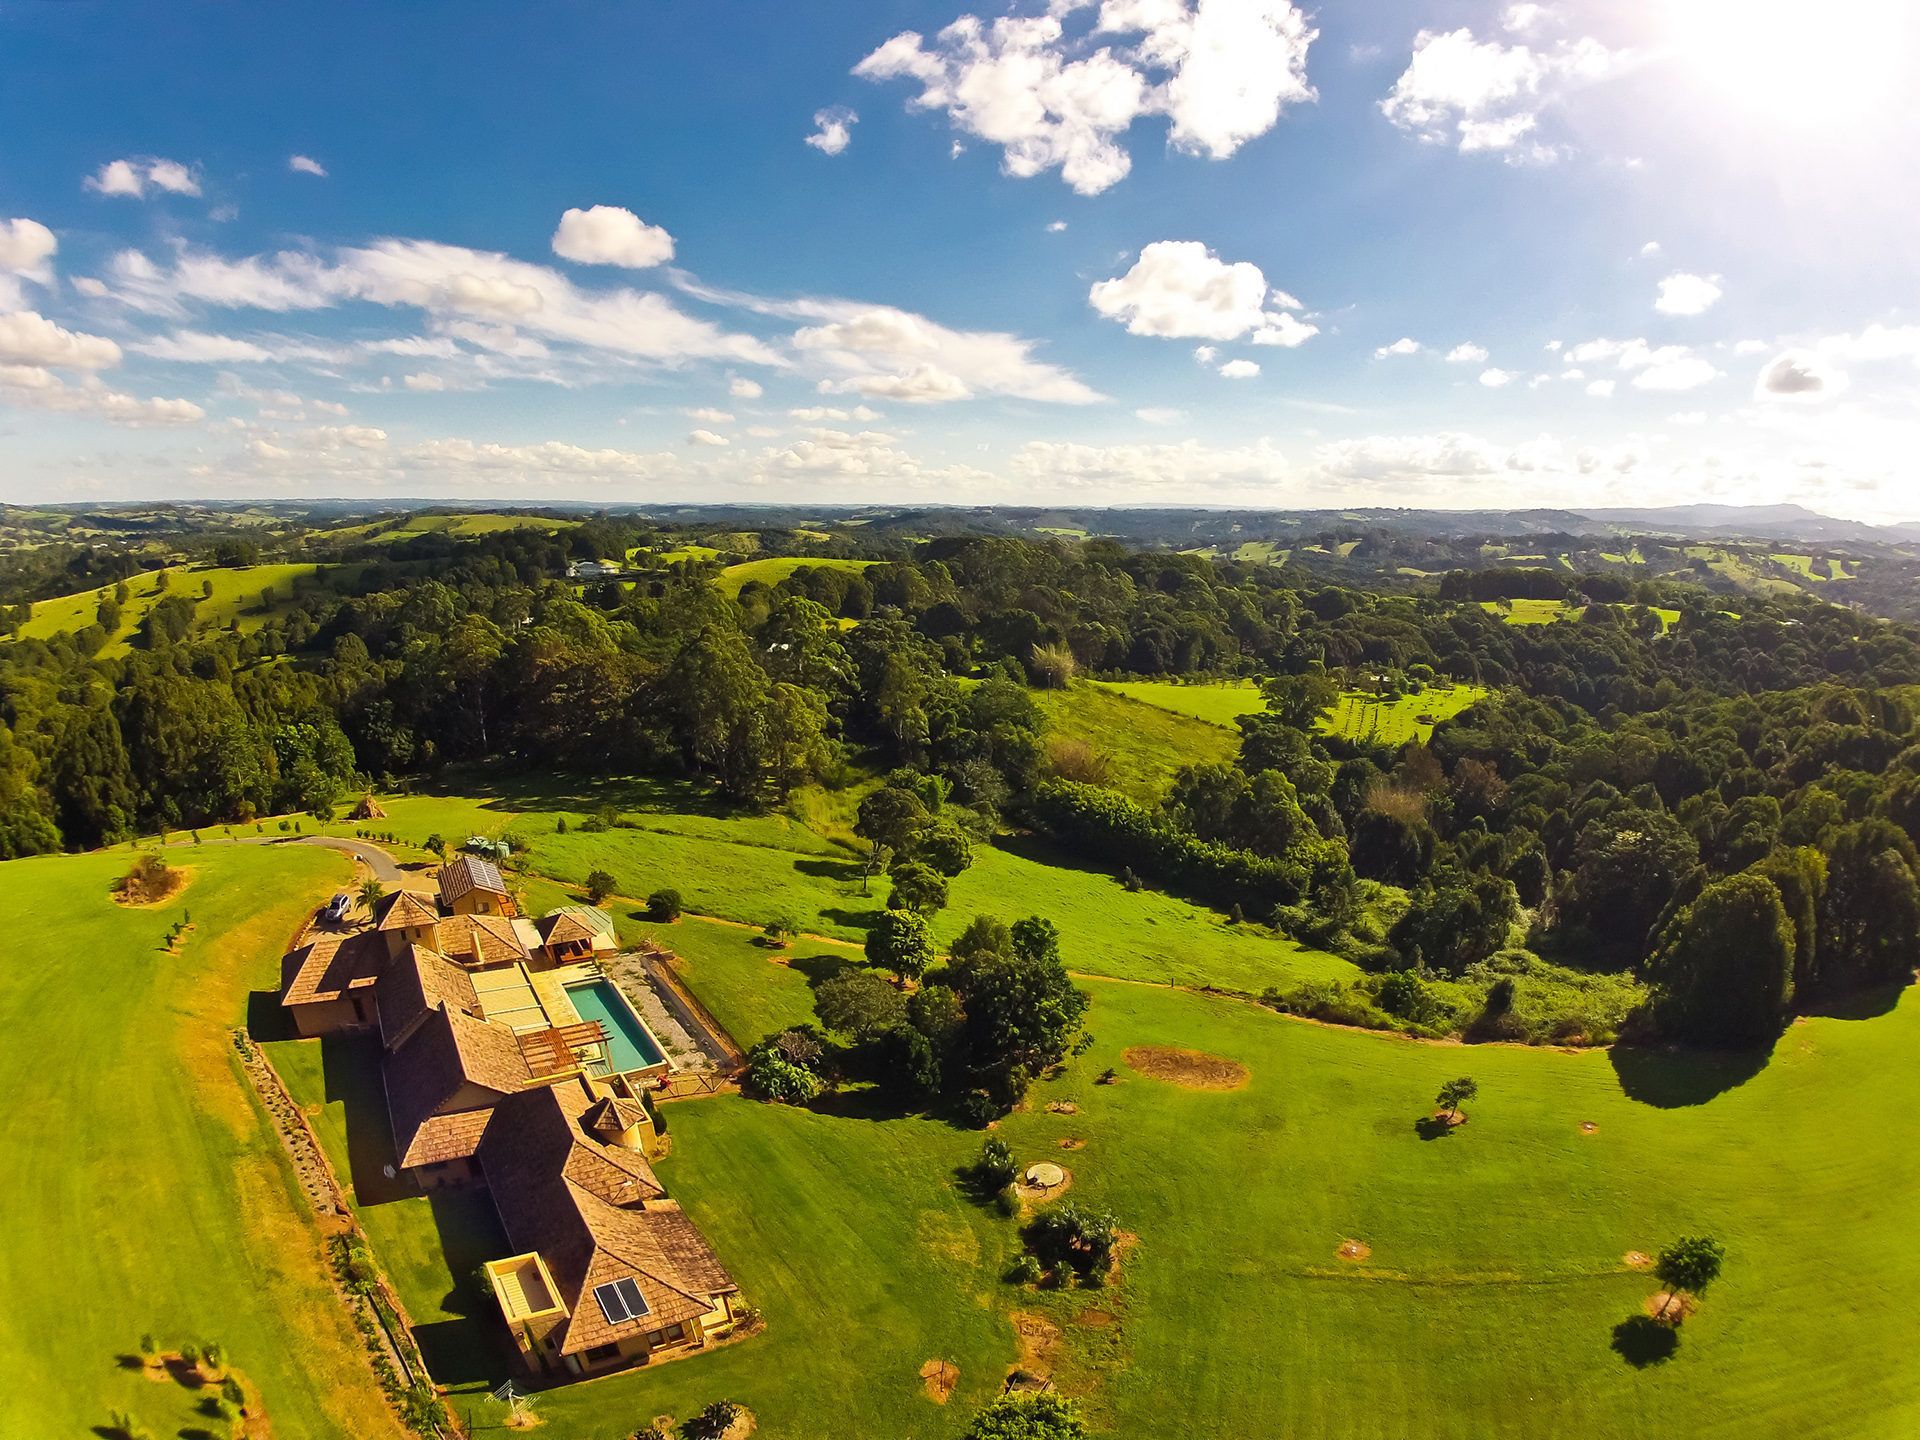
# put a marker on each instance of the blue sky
(1438, 252)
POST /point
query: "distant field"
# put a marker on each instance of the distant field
(774, 569)
(1261, 552)
(680, 552)
(236, 596)
(1222, 703)
(1359, 716)
(1531, 612)
(459, 527)
(1144, 743)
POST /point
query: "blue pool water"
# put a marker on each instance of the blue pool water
(631, 1046)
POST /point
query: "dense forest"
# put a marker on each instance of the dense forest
(1723, 802)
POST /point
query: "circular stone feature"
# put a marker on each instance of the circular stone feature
(1045, 1176)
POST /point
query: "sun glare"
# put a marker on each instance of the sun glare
(1806, 65)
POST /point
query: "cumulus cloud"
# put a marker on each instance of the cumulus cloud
(879, 352)
(1180, 289)
(609, 235)
(1658, 368)
(832, 129)
(1056, 227)
(26, 248)
(306, 165)
(1239, 370)
(27, 338)
(424, 382)
(1221, 71)
(1799, 375)
(1405, 345)
(1467, 354)
(1163, 469)
(1496, 379)
(133, 177)
(1487, 96)
(1684, 294)
(707, 437)
(708, 415)
(741, 388)
(37, 388)
(815, 414)
(1600, 389)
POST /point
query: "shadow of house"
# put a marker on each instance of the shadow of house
(350, 1067)
(1671, 1079)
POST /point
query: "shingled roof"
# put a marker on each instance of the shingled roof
(329, 967)
(413, 984)
(470, 872)
(560, 928)
(595, 1213)
(404, 909)
(480, 941)
(428, 1078)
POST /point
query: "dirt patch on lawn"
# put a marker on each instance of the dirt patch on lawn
(1036, 1342)
(1668, 1308)
(1062, 1107)
(1355, 1250)
(1588, 1127)
(939, 1377)
(1451, 1119)
(1072, 1142)
(1637, 1260)
(1189, 1069)
(1094, 1318)
(148, 885)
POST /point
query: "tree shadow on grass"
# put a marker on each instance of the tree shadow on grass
(862, 920)
(868, 1102)
(1859, 1005)
(1641, 1341)
(845, 871)
(1433, 1127)
(1671, 1078)
(821, 968)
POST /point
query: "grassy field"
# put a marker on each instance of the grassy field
(457, 527)
(1488, 1304)
(774, 569)
(141, 1189)
(1531, 612)
(235, 599)
(1363, 717)
(1144, 743)
(1221, 703)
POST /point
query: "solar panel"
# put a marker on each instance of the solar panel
(620, 1301)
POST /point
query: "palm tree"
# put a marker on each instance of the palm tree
(372, 892)
(215, 1354)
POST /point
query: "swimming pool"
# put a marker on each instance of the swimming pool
(631, 1045)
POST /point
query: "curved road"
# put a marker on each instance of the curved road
(385, 869)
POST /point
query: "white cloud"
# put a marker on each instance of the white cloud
(1875, 344)
(1220, 70)
(1486, 96)
(1056, 227)
(27, 338)
(34, 387)
(1405, 345)
(707, 415)
(1650, 249)
(1467, 354)
(1160, 415)
(1180, 289)
(1684, 294)
(1189, 469)
(707, 437)
(1496, 379)
(193, 347)
(1524, 19)
(1600, 389)
(882, 353)
(833, 129)
(1662, 368)
(132, 177)
(1799, 375)
(424, 382)
(1206, 354)
(450, 283)
(741, 388)
(26, 247)
(306, 165)
(1239, 370)
(609, 235)
(814, 414)
(88, 286)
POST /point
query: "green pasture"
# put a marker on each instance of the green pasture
(775, 568)
(1218, 703)
(1362, 717)
(1143, 743)
(236, 599)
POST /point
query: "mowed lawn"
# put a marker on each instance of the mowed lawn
(1489, 1302)
(140, 1187)
(1143, 744)
(1221, 703)
(1369, 719)
(774, 569)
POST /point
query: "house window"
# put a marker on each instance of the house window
(602, 1352)
(675, 1332)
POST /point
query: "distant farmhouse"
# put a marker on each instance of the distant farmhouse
(593, 570)
(511, 1062)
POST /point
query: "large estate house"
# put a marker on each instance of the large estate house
(511, 1062)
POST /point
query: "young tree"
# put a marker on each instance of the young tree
(1690, 1264)
(901, 942)
(600, 884)
(1456, 1093)
(372, 892)
(663, 905)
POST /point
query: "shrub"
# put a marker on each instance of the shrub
(663, 905)
(1025, 1271)
(1066, 1236)
(772, 1076)
(712, 1422)
(600, 884)
(1028, 1415)
(995, 1168)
